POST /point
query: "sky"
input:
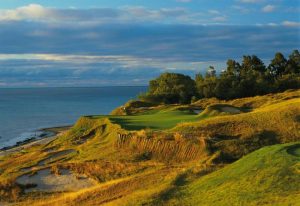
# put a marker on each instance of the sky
(105, 42)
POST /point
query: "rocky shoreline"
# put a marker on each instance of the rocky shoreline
(44, 133)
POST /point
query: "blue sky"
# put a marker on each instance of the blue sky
(105, 42)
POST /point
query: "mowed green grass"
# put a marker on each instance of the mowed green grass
(268, 176)
(156, 120)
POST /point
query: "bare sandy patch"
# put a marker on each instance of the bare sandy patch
(45, 181)
(197, 111)
(231, 110)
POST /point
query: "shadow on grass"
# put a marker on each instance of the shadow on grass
(171, 192)
(294, 150)
(129, 124)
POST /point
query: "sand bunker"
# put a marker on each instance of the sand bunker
(220, 109)
(197, 111)
(45, 181)
(230, 110)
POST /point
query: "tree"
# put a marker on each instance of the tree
(233, 67)
(206, 86)
(211, 72)
(278, 64)
(249, 78)
(172, 88)
(199, 80)
(293, 63)
(209, 84)
(227, 86)
(252, 63)
(257, 64)
(287, 81)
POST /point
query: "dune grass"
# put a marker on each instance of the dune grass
(269, 176)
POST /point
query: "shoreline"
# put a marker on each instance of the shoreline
(46, 134)
(56, 130)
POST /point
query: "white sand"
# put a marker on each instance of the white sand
(46, 181)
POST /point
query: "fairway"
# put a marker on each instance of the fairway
(157, 120)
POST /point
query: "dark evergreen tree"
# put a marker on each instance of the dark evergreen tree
(293, 63)
(233, 67)
(278, 65)
(199, 81)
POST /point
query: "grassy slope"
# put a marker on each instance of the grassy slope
(272, 119)
(163, 118)
(237, 135)
(269, 176)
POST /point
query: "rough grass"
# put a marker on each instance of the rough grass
(170, 155)
(132, 107)
(219, 110)
(269, 176)
(237, 135)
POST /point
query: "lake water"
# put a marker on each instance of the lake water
(23, 111)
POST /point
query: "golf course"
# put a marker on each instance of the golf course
(211, 152)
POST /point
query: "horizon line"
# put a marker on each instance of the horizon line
(41, 87)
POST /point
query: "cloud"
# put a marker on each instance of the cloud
(38, 13)
(76, 61)
(272, 24)
(64, 70)
(168, 42)
(214, 12)
(31, 11)
(217, 16)
(291, 24)
(128, 14)
(242, 9)
(102, 46)
(251, 1)
(184, 1)
(268, 8)
(220, 19)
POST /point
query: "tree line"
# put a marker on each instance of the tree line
(249, 78)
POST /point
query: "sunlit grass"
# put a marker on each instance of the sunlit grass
(124, 178)
(269, 176)
(155, 121)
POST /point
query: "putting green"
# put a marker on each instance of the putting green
(158, 120)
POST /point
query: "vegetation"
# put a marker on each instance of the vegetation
(171, 88)
(269, 176)
(150, 154)
(239, 134)
(156, 120)
(246, 79)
